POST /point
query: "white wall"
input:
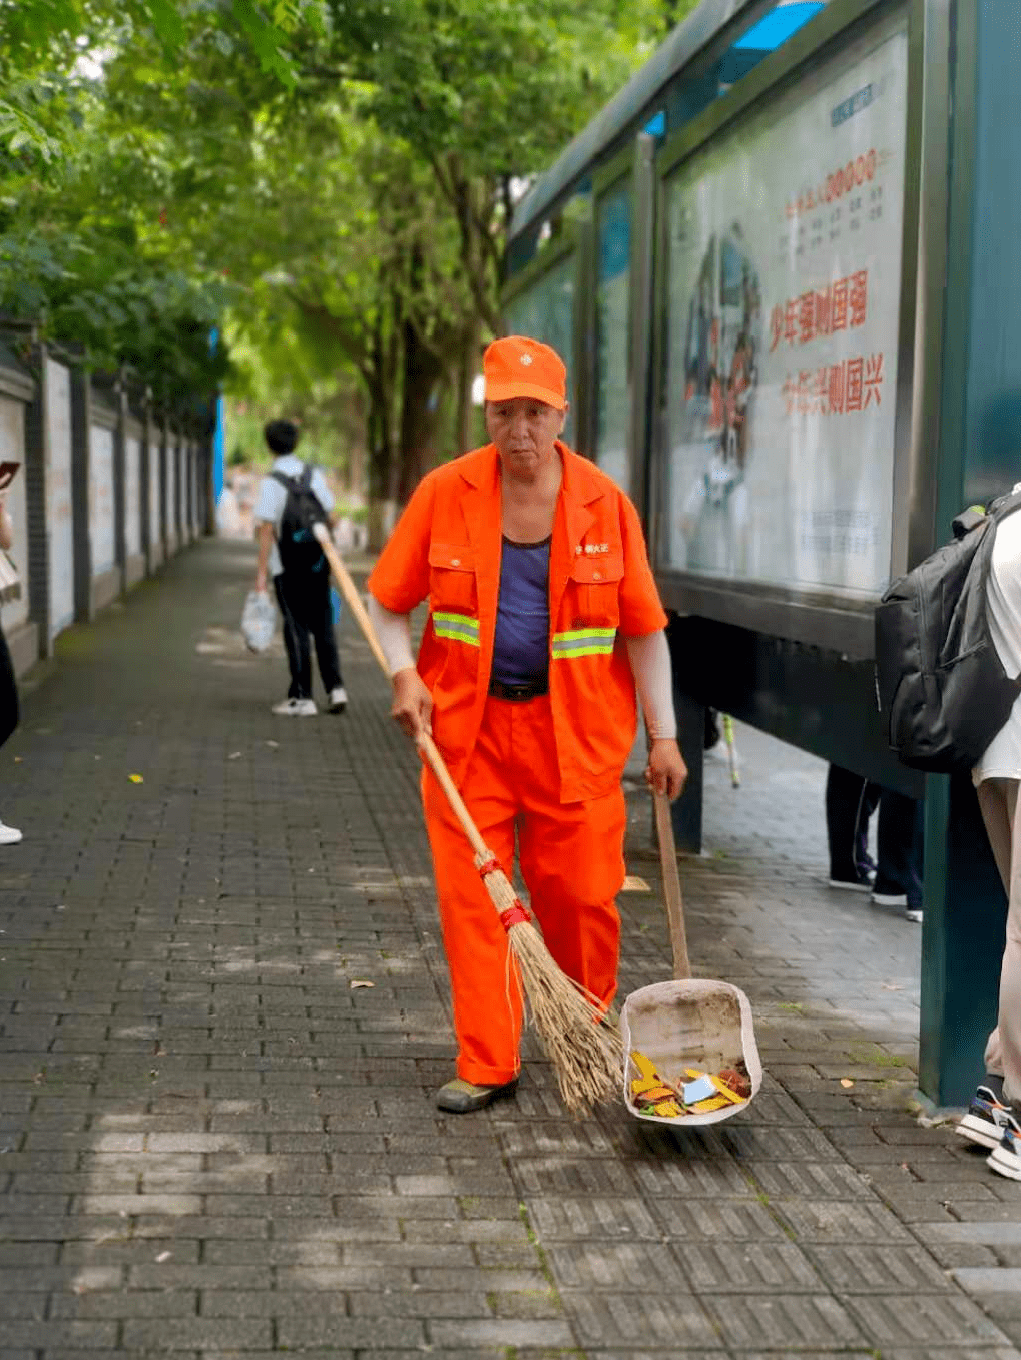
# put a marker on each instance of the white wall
(155, 527)
(132, 495)
(101, 516)
(172, 484)
(59, 523)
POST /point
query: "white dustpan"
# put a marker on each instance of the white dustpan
(688, 1022)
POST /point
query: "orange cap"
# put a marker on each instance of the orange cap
(519, 367)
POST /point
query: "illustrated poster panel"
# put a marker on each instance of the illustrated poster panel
(546, 313)
(612, 308)
(784, 275)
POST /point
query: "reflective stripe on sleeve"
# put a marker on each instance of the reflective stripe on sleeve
(457, 627)
(583, 642)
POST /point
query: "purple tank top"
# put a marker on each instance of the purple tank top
(521, 647)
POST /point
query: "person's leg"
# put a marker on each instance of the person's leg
(867, 804)
(9, 710)
(992, 1119)
(572, 858)
(844, 792)
(998, 799)
(898, 876)
(320, 618)
(484, 982)
(9, 714)
(299, 657)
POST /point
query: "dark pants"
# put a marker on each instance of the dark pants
(308, 612)
(850, 802)
(900, 847)
(9, 712)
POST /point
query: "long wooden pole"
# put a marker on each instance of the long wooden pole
(671, 886)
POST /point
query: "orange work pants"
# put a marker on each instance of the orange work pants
(572, 861)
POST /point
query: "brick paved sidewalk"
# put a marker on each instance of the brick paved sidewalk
(214, 1142)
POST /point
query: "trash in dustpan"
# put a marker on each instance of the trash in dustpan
(689, 1044)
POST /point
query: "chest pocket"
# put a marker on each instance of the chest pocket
(453, 594)
(595, 586)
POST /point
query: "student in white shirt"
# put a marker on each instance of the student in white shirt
(303, 596)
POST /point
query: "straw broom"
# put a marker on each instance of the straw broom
(584, 1049)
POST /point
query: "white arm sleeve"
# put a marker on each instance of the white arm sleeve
(394, 633)
(650, 665)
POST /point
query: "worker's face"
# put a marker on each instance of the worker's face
(524, 431)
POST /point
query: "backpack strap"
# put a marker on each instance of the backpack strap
(288, 483)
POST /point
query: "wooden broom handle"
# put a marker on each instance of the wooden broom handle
(424, 742)
(671, 885)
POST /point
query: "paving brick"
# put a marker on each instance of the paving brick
(193, 1334)
(911, 1319)
(603, 1320)
(363, 1334)
(792, 1321)
(615, 1266)
(773, 1268)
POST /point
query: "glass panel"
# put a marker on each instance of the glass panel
(545, 311)
(613, 289)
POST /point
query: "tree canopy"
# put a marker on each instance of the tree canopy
(325, 182)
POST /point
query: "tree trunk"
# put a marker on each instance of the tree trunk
(423, 372)
(468, 363)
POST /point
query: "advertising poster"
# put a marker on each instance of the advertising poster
(612, 304)
(784, 276)
(545, 311)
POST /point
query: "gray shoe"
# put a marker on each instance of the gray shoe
(463, 1097)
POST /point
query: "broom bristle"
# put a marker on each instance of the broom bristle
(586, 1055)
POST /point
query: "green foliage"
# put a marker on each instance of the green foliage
(326, 182)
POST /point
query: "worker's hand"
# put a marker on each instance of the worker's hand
(413, 704)
(666, 770)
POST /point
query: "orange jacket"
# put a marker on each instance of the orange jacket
(447, 546)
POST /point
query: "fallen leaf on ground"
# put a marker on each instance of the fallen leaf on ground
(135, 778)
(163, 1256)
(892, 987)
(846, 1083)
(635, 884)
(233, 755)
(274, 744)
(361, 982)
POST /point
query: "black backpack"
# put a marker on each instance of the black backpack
(939, 680)
(299, 547)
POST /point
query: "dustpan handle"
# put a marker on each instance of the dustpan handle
(671, 885)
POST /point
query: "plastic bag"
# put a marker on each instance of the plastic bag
(258, 621)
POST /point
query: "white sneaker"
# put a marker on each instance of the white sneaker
(9, 835)
(890, 899)
(338, 699)
(296, 708)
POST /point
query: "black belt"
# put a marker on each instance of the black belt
(519, 693)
